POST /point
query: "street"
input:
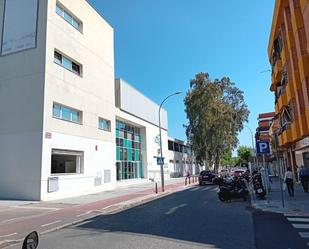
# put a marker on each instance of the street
(193, 218)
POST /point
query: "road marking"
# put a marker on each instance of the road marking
(304, 234)
(48, 224)
(294, 215)
(194, 189)
(301, 226)
(299, 219)
(173, 209)
(79, 215)
(207, 188)
(8, 235)
(6, 221)
(29, 207)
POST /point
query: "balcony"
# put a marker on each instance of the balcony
(277, 71)
(287, 137)
(282, 100)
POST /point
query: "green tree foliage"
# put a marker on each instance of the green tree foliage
(216, 111)
(227, 160)
(244, 153)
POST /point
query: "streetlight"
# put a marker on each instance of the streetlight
(253, 146)
(161, 152)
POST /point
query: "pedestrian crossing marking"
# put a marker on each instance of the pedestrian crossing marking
(304, 234)
(298, 219)
(301, 226)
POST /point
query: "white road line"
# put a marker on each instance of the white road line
(9, 220)
(79, 215)
(8, 235)
(29, 207)
(207, 188)
(48, 224)
(194, 189)
(301, 226)
(173, 209)
(307, 244)
(294, 215)
(304, 234)
(299, 219)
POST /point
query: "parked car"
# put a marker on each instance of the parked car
(224, 172)
(206, 176)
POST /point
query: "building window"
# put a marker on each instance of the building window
(104, 124)
(128, 151)
(67, 63)
(67, 162)
(70, 18)
(67, 113)
(286, 117)
(170, 145)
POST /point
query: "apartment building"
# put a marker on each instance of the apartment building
(69, 127)
(264, 122)
(288, 52)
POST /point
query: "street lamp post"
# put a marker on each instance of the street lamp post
(161, 152)
(253, 146)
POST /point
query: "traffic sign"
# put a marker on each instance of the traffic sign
(160, 160)
(262, 147)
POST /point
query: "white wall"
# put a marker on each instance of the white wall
(21, 110)
(95, 162)
(134, 102)
(92, 93)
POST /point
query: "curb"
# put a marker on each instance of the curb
(121, 207)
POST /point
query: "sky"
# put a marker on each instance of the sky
(161, 44)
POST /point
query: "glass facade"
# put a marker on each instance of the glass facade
(128, 151)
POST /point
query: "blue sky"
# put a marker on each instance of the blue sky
(161, 44)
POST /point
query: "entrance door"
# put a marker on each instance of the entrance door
(306, 159)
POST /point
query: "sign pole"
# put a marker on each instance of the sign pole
(279, 169)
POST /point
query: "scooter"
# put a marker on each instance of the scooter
(258, 186)
(237, 191)
(259, 190)
(31, 241)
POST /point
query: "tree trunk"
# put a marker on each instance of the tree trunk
(217, 162)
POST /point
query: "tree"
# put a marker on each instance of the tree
(227, 160)
(244, 153)
(216, 111)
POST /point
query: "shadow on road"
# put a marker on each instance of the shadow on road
(194, 215)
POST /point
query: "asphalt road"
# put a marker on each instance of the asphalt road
(191, 219)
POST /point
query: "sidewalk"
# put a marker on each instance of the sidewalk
(17, 218)
(299, 204)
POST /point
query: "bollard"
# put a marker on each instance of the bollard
(186, 181)
(189, 180)
(156, 187)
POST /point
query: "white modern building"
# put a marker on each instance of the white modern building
(181, 159)
(67, 127)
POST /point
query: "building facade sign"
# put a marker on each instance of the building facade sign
(20, 26)
(302, 143)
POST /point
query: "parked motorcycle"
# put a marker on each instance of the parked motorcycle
(258, 186)
(236, 190)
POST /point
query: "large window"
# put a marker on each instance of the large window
(67, 162)
(67, 63)
(70, 18)
(104, 124)
(67, 113)
(128, 151)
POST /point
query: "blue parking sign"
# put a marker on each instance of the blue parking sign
(262, 147)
